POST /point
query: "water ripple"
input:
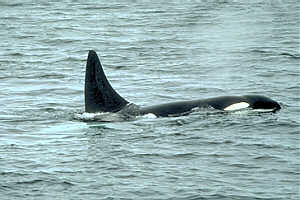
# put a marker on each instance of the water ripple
(152, 52)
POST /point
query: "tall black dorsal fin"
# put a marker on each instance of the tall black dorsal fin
(99, 95)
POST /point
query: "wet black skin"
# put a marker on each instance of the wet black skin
(101, 97)
(219, 103)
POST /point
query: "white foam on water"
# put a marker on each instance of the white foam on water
(149, 116)
(86, 116)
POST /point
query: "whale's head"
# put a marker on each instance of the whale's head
(262, 102)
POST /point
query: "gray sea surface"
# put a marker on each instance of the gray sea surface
(152, 52)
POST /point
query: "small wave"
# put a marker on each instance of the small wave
(266, 146)
(30, 181)
(40, 181)
(12, 4)
(112, 7)
(244, 165)
(50, 76)
(185, 155)
(260, 51)
(270, 52)
(266, 157)
(14, 54)
(290, 55)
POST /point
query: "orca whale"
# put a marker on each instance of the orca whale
(101, 97)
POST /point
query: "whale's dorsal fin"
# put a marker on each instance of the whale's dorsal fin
(99, 95)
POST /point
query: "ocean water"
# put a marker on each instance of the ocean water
(152, 52)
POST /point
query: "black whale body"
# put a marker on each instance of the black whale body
(101, 97)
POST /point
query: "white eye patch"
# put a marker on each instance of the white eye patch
(237, 106)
